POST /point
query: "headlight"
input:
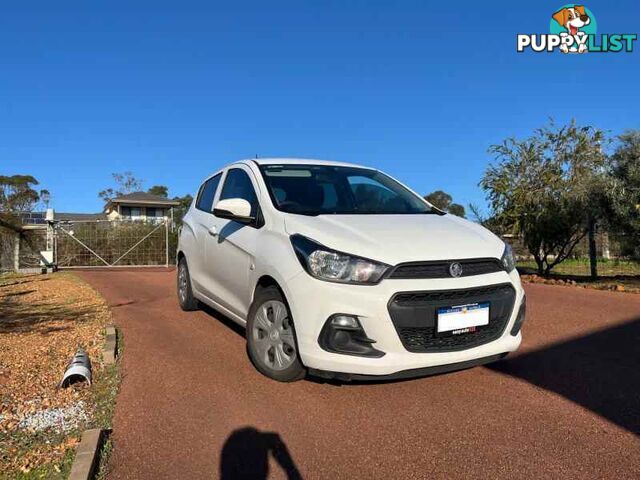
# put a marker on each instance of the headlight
(333, 266)
(508, 260)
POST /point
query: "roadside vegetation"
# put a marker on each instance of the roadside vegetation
(563, 185)
(43, 321)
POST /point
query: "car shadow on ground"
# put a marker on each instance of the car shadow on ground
(246, 453)
(599, 371)
(222, 318)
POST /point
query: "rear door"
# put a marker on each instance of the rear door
(204, 231)
(232, 254)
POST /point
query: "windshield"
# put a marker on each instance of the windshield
(326, 189)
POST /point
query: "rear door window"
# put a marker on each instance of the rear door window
(207, 193)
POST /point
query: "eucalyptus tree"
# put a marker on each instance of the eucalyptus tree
(549, 188)
(624, 195)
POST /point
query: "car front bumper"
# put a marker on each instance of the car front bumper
(313, 301)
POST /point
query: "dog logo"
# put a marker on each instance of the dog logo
(573, 29)
(455, 269)
(573, 19)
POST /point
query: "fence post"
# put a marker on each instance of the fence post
(166, 242)
(593, 254)
(16, 252)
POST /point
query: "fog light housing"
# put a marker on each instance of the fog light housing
(343, 333)
(517, 325)
(345, 321)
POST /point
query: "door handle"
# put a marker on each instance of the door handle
(213, 231)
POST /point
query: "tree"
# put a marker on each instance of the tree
(45, 198)
(125, 183)
(582, 155)
(549, 189)
(488, 221)
(180, 211)
(17, 195)
(444, 202)
(159, 190)
(456, 209)
(624, 196)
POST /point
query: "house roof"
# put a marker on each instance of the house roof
(144, 198)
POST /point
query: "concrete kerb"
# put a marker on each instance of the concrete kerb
(85, 461)
(110, 345)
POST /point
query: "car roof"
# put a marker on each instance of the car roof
(301, 161)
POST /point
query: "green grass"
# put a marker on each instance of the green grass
(581, 267)
(48, 472)
(105, 454)
(25, 442)
(105, 391)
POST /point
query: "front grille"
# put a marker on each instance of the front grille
(414, 317)
(440, 269)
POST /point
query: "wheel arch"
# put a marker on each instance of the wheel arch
(267, 281)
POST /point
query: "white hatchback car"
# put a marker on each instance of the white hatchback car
(341, 271)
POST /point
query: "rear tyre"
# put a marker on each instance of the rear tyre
(271, 338)
(186, 299)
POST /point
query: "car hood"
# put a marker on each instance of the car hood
(394, 239)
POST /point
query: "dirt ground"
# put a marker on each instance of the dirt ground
(43, 320)
(191, 405)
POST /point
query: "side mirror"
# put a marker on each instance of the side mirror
(236, 209)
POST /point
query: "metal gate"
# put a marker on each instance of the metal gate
(106, 243)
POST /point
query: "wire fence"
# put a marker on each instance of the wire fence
(112, 243)
(89, 244)
(616, 255)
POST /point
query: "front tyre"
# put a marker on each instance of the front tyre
(186, 299)
(271, 338)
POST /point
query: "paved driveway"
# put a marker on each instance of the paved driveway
(191, 405)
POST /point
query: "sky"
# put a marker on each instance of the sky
(172, 91)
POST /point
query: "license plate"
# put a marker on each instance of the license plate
(463, 318)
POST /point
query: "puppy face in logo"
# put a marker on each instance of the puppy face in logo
(573, 19)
